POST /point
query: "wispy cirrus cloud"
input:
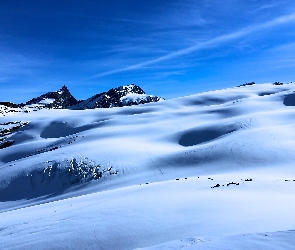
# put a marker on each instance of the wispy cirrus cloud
(265, 7)
(211, 43)
(13, 64)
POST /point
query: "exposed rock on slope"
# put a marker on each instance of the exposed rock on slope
(6, 130)
(10, 104)
(117, 97)
(8, 108)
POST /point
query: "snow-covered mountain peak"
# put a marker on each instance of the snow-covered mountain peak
(117, 97)
(63, 99)
(131, 88)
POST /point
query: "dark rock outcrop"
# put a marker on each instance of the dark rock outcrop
(278, 83)
(10, 104)
(6, 144)
(247, 84)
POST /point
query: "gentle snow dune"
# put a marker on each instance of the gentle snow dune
(208, 171)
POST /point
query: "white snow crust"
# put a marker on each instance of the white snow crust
(132, 98)
(48, 100)
(209, 171)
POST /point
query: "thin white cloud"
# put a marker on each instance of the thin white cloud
(206, 44)
(285, 47)
(13, 64)
(265, 7)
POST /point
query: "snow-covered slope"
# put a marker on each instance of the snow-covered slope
(208, 171)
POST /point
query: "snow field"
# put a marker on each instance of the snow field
(172, 174)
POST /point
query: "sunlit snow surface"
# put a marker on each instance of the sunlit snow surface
(47, 100)
(207, 171)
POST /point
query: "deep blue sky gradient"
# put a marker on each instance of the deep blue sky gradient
(170, 48)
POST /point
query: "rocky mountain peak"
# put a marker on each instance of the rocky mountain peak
(58, 100)
(64, 88)
(132, 88)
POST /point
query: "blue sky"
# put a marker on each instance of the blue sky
(169, 48)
